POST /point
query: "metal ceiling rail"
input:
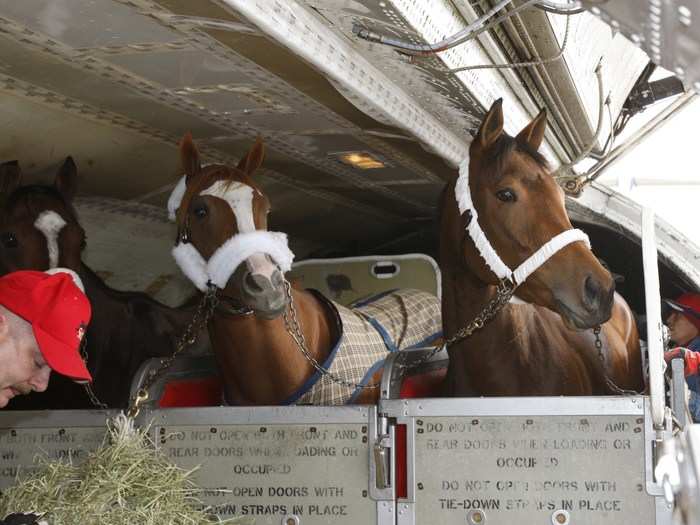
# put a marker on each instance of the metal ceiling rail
(477, 27)
(292, 25)
(655, 123)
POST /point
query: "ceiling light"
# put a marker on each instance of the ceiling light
(360, 159)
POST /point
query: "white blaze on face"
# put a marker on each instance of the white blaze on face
(50, 224)
(240, 198)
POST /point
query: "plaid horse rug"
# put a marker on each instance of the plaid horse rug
(369, 330)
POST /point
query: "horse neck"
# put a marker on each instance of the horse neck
(464, 296)
(260, 361)
(125, 329)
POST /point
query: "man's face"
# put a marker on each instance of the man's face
(682, 331)
(23, 368)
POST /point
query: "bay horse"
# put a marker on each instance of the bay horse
(222, 216)
(39, 229)
(504, 207)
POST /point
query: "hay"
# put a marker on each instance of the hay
(125, 482)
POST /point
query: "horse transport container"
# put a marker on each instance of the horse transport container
(364, 123)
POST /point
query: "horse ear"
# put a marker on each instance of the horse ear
(66, 181)
(492, 125)
(10, 178)
(189, 156)
(533, 134)
(254, 158)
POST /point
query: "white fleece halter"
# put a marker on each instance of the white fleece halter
(224, 261)
(491, 258)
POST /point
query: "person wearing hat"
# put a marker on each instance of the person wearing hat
(43, 318)
(684, 329)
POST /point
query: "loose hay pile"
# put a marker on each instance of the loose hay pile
(125, 482)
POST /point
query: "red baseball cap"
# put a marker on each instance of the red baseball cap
(689, 305)
(59, 314)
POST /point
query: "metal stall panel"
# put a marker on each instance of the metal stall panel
(288, 465)
(582, 461)
(59, 434)
(348, 279)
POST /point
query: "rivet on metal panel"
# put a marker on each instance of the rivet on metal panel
(684, 15)
(420, 486)
(476, 517)
(291, 520)
(419, 422)
(560, 517)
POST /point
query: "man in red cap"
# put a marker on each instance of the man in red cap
(684, 329)
(43, 318)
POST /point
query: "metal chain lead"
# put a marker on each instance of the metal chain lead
(609, 382)
(504, 292)
(204, 312)
(88, 386)
(291, 323)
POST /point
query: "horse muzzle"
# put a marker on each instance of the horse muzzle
(264, 294)
(594, 307)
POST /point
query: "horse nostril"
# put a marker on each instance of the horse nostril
(251, 284)
(592, 292)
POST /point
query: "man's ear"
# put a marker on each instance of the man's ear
(4, 327)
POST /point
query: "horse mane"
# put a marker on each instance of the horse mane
(499, 153)
(26, 195)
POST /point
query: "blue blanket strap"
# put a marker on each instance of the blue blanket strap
(311, 381)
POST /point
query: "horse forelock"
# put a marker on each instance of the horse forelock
(33, 199)
(498, 155)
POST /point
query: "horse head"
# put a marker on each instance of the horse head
(39, 228)
(521, 212)
(221, 216)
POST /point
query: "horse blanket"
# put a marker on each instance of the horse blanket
(369, 330)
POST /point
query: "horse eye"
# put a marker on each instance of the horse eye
(83, 243)
(200, 212)
(8, 240)
(507, 195)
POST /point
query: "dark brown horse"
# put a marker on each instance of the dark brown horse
(545, 346)
(222, 237)
(39, 229)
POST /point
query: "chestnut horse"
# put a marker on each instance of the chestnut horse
(39, 229)
(223, 239)
(544, 345)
